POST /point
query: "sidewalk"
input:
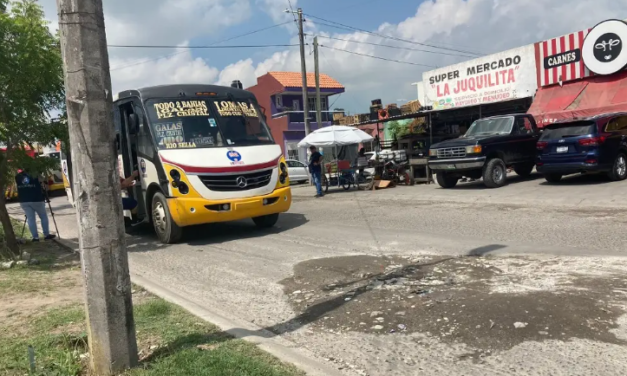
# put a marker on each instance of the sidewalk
(64, 215)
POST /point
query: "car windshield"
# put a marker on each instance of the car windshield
(489, 127)
(565, 130)
(207, 123)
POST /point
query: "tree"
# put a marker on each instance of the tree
(31, 87)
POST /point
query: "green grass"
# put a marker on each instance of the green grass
(186, 346)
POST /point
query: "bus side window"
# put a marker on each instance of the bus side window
(144, 140)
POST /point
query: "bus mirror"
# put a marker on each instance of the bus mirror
(133, 124)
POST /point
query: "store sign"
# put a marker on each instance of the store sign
(600, 50)
(604, 49)
(495, 78)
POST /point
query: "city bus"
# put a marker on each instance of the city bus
(204, 154)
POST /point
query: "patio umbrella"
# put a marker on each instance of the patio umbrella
(335, 135)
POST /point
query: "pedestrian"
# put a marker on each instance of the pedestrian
(315, 169)
(30, 193)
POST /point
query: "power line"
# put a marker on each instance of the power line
(378, 57)
(397, 47)
(201, 47)
(217, 42)
(352, 28)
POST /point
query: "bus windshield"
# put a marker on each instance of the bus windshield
(205, 123)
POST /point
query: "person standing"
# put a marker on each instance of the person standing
(33, 202)
(315, 168)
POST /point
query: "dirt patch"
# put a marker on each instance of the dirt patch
(29, 291)
(486, 303)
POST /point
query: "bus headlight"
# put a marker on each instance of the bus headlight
(282, 173)
(183, 188)
(175, 174)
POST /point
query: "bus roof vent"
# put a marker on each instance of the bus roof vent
(237, 84)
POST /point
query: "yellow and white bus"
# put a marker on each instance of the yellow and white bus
(204, 154)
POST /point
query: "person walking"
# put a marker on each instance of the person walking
(33, 202)
(315, 169)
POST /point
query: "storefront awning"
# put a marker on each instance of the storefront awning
(590, 96)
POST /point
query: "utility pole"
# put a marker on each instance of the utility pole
(303, 70)
(317, 70)
(104, 261)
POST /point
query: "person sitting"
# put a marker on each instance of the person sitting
(129, 203)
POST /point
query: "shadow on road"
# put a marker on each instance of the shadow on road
(511, 180)
(580, 179)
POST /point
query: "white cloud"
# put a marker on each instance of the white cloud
(485, 26)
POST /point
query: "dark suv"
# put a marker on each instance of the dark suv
(489, 147)
(594, 144)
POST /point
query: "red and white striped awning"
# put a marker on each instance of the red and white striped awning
(559, 59)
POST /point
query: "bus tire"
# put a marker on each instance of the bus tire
(166, 229)
(266, 221)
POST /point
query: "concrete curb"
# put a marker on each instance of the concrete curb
(283, 349)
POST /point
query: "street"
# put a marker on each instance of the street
(528, 279)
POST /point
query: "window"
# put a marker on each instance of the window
(523, 126)
(292, 154)
(144, 140)
(279, 101)
(324, 101)
(618, 124)
(296, 105)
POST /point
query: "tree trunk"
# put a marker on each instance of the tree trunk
(5, 219)
(9, 234)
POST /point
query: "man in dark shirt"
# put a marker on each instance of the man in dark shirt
(315, 168)
(32, 200)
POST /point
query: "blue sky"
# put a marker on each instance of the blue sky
(361, 13)
(485, 26)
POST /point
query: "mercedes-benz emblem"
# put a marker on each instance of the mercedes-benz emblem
(241, 182)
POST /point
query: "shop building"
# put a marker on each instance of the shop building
(582, 74)
(281, 96)
(492, 85)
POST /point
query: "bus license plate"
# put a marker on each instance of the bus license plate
(450, 166)
(562, 149)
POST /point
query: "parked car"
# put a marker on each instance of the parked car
(297, 171)
(489, 147)
(596, 144)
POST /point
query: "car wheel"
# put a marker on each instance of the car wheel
(167, 231)
(524, 170)
(553, 178)
(494, 173)
(445, 180)
(266, 221)
(619, 169)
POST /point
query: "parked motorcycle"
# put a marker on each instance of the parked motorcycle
(398, 173)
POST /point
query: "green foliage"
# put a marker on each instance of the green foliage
(397, 129)
(31, 85)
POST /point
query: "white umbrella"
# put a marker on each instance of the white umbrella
(335, 135)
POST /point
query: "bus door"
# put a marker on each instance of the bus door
(127, 149)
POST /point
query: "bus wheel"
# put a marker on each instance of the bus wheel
(266, 221)
(167, 231)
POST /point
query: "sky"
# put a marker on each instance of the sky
(453, 30)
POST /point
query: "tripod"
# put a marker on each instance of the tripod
(51, 213)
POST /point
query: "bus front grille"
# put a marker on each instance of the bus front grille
(237, 182)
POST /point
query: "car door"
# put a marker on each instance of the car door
(297, 171)
(615, 134)
(526, 139)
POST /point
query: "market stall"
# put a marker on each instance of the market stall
(340, 167)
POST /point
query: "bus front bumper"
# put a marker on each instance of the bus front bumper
(196, 211)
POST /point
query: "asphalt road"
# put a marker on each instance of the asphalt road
(241, 269)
